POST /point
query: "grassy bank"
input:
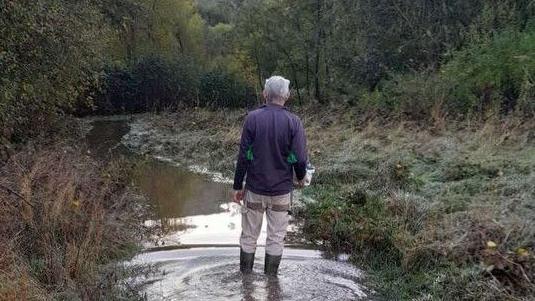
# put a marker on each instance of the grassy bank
(435, 215)
(432, 213)
(67, 221)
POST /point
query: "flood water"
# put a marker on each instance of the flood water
(176, 191)
(198, 257)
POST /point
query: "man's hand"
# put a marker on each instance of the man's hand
(237, 196)
(300, 183)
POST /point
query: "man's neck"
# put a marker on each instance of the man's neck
(276, 103)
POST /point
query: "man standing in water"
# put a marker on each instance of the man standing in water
(272, 148)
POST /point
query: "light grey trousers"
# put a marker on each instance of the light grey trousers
(276, 209)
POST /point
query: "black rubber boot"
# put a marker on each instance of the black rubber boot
(271, 264)
(246, 262)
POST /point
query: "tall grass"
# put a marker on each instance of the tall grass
(432, 215)
(65, 220)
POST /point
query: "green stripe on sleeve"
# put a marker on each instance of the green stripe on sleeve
(249, 153)
(292, 158)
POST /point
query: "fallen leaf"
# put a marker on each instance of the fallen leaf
(522, 252)
(491, 244)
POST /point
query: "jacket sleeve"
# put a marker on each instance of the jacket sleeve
(299, 148)
(247, 137)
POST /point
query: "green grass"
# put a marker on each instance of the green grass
(417, 210)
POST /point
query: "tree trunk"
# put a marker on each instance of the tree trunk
(258, 68)
(179, 39)
(294, 73)
(317, 91)
(307, 71)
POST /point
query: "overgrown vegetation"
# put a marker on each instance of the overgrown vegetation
(102, 56)
(48, 60)
(413, 60)
(433, 215)
(66, 222)
(383, 56)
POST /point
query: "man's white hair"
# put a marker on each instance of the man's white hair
(277, 88)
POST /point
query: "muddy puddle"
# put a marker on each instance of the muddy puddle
(198, 257)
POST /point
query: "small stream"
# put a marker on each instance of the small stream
(198, 256)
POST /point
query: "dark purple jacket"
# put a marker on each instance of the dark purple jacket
(273, 146)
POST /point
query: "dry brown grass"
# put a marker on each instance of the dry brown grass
(15, 280)
(63, 216)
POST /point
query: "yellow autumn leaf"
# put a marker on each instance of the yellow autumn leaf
(75, 204)
(522, 252)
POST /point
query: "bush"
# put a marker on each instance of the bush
(50, 54)
(119, 92)
(413, 95)
(355, 223)
(152, 83)
(492, 75)
(219, 88)
(155, 83)
(495, 76)
(162, 83)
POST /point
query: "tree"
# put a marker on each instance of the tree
(49, 58)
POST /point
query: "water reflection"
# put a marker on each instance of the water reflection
(176, 191)
(104, 138)
(191, 209)
(221, 228)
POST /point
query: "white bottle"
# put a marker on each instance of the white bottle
(310, 172)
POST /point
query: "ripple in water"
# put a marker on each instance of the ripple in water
(212, 274)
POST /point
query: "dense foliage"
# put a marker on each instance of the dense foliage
(413, 59)
(497, 73)
(48, 59)
(365, 51)
(104, 56)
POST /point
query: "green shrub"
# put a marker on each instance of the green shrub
(161, 83)
(495, 75)
(526, 101)
(353, 222)
(492, 75)
(50, 54)
(156, 83)
(118, 92)
(412, 95)
(152, 83)
(219, 88)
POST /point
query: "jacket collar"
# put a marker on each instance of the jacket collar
(273, 105)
